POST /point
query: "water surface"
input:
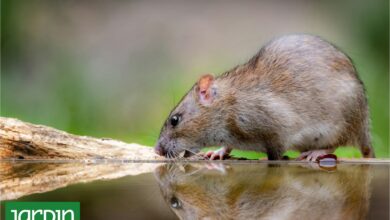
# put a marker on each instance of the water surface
(228, 190)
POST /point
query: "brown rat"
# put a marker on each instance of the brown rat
(299, 92)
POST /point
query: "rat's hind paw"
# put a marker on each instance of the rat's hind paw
(314, 155)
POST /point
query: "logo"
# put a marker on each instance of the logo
(42, 211)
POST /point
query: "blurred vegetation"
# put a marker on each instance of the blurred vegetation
(116, 69)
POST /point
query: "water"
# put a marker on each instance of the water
(228, 190)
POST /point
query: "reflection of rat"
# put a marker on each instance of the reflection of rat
(298, 92)
(260, 191)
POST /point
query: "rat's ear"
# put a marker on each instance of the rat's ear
(205, 90)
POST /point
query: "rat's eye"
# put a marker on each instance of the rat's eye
(175, 203)
(175, 120)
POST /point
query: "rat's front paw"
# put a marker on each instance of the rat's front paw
(221, 154)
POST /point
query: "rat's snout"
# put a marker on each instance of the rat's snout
(159, 149)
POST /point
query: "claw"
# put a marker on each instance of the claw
(220, 154)
(314, 155)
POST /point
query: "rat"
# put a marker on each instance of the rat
(299, 92)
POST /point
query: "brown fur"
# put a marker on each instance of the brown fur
(299, 92)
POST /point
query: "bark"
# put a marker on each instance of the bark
(21, 140)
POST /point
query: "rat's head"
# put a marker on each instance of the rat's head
(191, 124)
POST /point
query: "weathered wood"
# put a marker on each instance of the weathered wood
(21, 140)
(47, 146)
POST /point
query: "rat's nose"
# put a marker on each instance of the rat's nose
(159, 150)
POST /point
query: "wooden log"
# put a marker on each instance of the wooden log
(37, 159)
(21, 140)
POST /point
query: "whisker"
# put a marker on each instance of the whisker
(194, 172)
(195, 154)
(169, 154)
(172, 156)
(177, 157)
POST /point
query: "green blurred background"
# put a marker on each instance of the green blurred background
(116, 68)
